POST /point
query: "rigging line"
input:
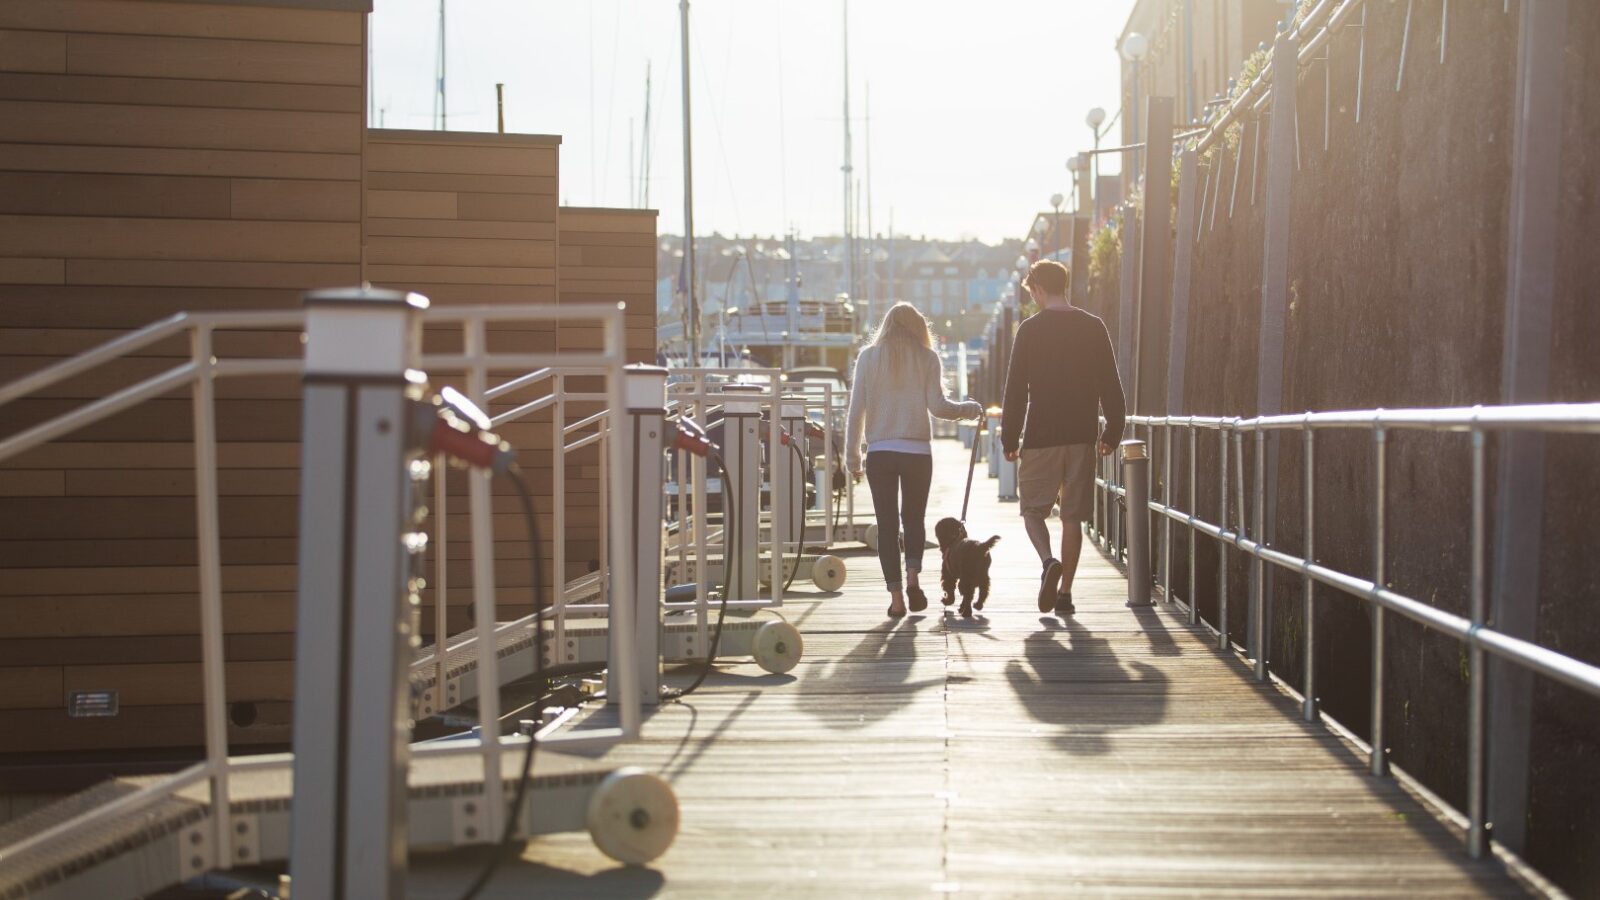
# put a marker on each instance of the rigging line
(716, 123)
(611, 102)
(660, 103)
(783, 140)
(592, 198)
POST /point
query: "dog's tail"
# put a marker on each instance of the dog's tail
(989, 544)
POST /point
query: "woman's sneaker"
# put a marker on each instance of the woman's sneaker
(1047, 585)
(1064, 605)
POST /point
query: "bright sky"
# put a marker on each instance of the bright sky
(975, 107)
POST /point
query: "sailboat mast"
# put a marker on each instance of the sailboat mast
(644, 150)
(872, 264)
(691, 308)
(849, 206)
(440, 100)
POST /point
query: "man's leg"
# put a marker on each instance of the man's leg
(1038, 487)
(1038, 533)
(1071, 547)
(1077, 502)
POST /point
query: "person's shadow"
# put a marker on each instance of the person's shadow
(1082, 686)
(880, 666)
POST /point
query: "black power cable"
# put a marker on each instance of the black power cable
(800, 523)
(525, 496)
(730, 558)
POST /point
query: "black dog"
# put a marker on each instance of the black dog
(966, 564)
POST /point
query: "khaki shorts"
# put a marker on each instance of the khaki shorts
(1065, 474)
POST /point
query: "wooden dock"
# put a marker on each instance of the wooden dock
(1116, 753)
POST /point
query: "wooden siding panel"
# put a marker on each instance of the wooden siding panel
(185, 19)
(202, 273)
(181, 92)
(411, 204)
(144, 56)
(32, 51)
(84, 194)
(304, 201)
(102, 124)
(425, 181)
(179, 161)
(461, 160)
(17, 270)
(119, 238)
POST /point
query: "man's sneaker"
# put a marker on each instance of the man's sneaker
(1047, 585)
(1064, 605)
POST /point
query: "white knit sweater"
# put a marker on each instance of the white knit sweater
(882, 411)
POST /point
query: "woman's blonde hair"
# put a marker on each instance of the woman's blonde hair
(902, 337)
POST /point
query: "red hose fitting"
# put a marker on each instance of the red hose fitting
(691, 438)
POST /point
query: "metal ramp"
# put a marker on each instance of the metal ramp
(169, 841)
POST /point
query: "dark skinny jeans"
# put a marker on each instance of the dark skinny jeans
(891, 475)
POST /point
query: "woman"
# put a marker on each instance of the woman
(898, 383)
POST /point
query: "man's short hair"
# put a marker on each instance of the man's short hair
(1049, 276)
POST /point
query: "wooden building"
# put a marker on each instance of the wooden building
(157, 157)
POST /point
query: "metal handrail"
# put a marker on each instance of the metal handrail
(199, 372)
(1472, 631)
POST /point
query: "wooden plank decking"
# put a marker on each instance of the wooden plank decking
(1116, 753)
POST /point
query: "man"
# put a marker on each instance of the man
(1063, 374)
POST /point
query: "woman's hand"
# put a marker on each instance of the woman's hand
(856, 474)
(975, 410)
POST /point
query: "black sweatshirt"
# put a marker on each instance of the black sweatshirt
(1063, 374)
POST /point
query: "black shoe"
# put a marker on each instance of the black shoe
(918, 601)
(1047, 585)
(1064, 605)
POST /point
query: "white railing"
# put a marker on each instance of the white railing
(199, 372)
(1247, 535)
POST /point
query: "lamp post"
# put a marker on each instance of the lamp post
(1134, 48)
(1094, 120)
(1055, 201)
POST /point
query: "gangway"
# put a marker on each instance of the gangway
(132, 836)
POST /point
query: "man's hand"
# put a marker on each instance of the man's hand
(1011, 455)
(1107, 449)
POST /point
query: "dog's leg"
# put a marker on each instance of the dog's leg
(947, 580)
(966, 599)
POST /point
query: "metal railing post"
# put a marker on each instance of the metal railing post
(1379, 761)
(1136, 469)
(441, 569)
(1166, 520)
(558, 511)
(1194, 513)
(1258, 566)
(1477, 691)
(1308, 705)
(741, 525)
(642, 445)
(208, 531)
(1222, 546)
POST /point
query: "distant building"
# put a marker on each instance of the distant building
(954, 282)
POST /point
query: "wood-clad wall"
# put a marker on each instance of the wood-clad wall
(605, 256)
(158, 157)
(471, 218)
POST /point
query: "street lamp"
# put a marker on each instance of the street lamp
(1055, 201)
(1094, 120)
(1134, 48)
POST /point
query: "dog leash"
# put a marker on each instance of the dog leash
(973, 464)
